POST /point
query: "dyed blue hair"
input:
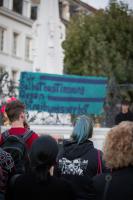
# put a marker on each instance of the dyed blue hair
(83, 129)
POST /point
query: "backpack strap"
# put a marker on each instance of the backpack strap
(13, 180)
(108, 179)
(99, 166)
(27, 135)
(5, 135)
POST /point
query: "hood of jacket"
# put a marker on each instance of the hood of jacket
(72, 150)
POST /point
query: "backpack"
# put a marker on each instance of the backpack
(3, 179)
(16, 146)
(3, 183)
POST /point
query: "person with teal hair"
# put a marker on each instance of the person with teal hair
(78, 160)
(78, 156)
(83, 129)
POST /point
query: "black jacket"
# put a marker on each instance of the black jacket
(123, 117)
(27, 187)
(82, 186)
(78, 163)
(120, 187)
(78, 159)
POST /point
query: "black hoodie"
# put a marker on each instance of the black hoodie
(123, 117)
(78, 159)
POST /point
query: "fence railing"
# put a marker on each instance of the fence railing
(9, 88)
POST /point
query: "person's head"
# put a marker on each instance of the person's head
(83, 129)
(118, 147)
(15, 111)
(125, 106)
(43, 156)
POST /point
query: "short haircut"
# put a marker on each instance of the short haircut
(125, 102)
(44, 152)
(83, 129)
(118, 147)
(43, 155)
(14, 109)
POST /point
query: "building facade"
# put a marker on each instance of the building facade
(15, 37)
(31, 36)
(49, 33)
(69, 8)
(32, 32)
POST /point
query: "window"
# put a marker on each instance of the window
(18, 6)
(60, 9)
(28, 48)
(37, 69)
(1, 2)
(74, 9)
(2, 38)
(15, 44)
(2, 70)
(65, 11)
(14, 75)
(34, 12)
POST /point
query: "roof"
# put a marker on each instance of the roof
(87, 6)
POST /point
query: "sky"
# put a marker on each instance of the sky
(104, 3)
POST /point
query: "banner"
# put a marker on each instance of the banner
(62, 93)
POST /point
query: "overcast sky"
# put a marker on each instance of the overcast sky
(104, 3)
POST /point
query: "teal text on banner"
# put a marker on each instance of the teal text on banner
(62, 93)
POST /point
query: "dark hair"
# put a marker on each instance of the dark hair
(14, 109)
(43, 155)
(26, 125)
(125, 102)
(83, 129)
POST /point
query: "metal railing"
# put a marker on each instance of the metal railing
(9, 88)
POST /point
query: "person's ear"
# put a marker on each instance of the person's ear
(22, 116)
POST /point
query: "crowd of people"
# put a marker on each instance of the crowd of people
(34, 167)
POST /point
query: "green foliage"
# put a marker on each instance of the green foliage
(101, 44)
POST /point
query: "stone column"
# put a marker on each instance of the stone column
(48, 38)
(8, 4)
(27, 8)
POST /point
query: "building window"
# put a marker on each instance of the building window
(64, 10)
(37, 69)
(15, 44)
(1, 2)
(14, 75)
(28, 48)
(2, 70)
(18, 6)
(74, 9)
(34, 12)
(2, 38)
(60, 9)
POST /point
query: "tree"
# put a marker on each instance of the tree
(101, 44)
